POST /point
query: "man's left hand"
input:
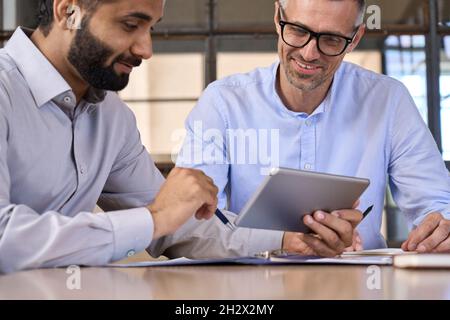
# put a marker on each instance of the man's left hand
(432, 235)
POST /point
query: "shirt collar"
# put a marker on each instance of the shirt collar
(44, 81)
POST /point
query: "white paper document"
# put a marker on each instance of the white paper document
(292, 259)
(378, 252)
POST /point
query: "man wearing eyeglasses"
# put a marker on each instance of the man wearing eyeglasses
(332, 117)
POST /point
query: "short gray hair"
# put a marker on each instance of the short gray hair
(361, 3)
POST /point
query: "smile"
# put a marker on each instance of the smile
(306, 68)
(124, 67)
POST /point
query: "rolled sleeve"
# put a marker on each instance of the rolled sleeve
(258, 240)
(264, 240)
(132, 231)
(212, 239)
(419, 180)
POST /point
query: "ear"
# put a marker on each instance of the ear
(62, 12)
(276, 17)
(359, 35)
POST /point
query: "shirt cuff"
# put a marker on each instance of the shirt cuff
(132, 231)
(264, 240)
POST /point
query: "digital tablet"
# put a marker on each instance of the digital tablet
(286, 195)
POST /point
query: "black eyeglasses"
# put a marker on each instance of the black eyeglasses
(328, 44)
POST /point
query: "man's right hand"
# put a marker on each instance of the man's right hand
(332, 234)
(185, 192)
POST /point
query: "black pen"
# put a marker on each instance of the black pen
(365, 213)
(224, 220)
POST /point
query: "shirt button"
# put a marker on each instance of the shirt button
(308, 123)
(82, 171)
(131, 253)
(67, 100)
(308, 166)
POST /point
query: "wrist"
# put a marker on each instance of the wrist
(159, 224)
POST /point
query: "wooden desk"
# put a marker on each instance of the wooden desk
(228, 282)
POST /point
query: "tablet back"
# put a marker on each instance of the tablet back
(286, 195)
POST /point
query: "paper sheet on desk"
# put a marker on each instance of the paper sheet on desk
(379, 252)
(298, 260)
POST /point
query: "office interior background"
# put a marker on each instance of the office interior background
(200, 41)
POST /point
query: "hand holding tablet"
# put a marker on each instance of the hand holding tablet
(308, 202)
(287, 195)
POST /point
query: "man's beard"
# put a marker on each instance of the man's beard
(297, 80)
(89, 56)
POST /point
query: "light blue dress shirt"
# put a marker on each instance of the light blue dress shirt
(57, 160)
(367, 126)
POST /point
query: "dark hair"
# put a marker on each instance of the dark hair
(45, 15)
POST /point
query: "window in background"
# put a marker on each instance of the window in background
(405, 60)
(161, 93)
(229, 63)
(368, 54)
(167, 76)
(368, 59)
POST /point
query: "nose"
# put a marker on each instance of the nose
(310, 52)
(143, 47)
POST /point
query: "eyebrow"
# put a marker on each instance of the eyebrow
(141, 16)
(326, 31)
(305, 26)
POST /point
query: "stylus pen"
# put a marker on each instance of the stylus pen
(365, 213)
(224, 220)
